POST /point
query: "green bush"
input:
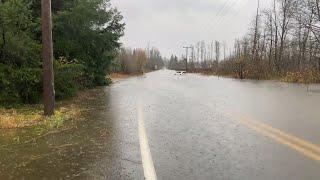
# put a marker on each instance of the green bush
(21, 85)
(29, 84)
(66, 84)
(8, 93)
(24, 85)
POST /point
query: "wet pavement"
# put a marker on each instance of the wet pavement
(189, 129)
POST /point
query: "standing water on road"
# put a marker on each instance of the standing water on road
(189, 129)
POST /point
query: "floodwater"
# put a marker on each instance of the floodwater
(190, 132)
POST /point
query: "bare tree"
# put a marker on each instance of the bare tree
(286, 13)
(255, 35)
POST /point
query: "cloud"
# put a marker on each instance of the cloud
(171, 24)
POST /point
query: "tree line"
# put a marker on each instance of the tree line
(282, 43)
(203, 56)
(138, 61)
(86, 37)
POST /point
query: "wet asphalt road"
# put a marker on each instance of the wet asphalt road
(195, 129)
(191, 136)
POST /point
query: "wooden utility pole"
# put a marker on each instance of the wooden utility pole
(187, 51)
(192, 48)
(47, 54)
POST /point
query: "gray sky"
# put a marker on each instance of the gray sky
(171, 24)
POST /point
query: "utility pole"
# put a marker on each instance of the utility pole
(47, 54)
(224, 51)
(193, 54)
(148, 53)
(187, 51)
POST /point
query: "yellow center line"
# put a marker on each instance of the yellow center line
(296, 140)
(302, 146)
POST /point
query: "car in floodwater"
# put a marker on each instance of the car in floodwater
(180, 73)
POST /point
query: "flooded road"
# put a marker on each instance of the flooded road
(182, 127)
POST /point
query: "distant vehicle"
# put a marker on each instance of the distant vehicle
(180, 72)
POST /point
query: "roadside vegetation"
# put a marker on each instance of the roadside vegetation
(138, 61)
(283, 44)
(87, 50)
(27, 123)
(31, 115)
(86, 41)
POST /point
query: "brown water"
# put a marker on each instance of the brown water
(189, 135)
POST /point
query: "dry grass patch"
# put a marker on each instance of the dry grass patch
(116, 77)
(33, 115)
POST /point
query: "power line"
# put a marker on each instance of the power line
(236, 12)
(220, 12)
(221, 17)
(229, 4)
(226, 12)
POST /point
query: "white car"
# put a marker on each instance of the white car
(180, 72)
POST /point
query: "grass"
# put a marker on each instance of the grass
(27, 123)
(32, 115)
(115, 77)
(306, 76)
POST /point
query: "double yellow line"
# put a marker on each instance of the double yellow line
(302, 146)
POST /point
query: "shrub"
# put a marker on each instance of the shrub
(29, 84)
(306, 76)
(19, 85)
(66, 80)
(8, 93)
(24, 85)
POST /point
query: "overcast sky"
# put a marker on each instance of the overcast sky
(171, 24)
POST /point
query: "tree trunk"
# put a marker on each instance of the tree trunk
(276, 37)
